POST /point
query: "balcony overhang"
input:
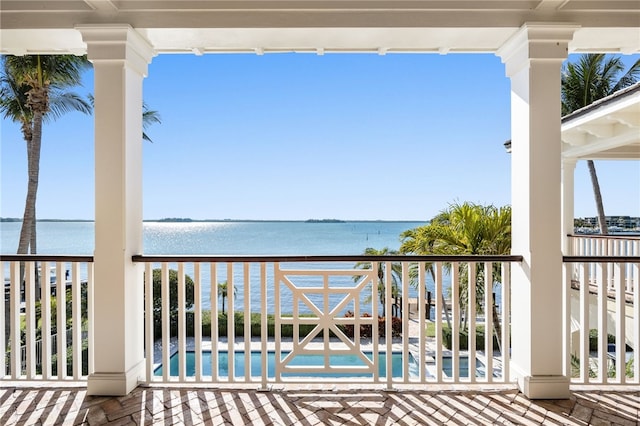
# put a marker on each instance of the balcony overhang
(376, 26)
(608, 129)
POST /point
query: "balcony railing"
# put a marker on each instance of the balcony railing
(603, 321)
(605, 246)
(319, 319)
(603, 287)
(43, 338)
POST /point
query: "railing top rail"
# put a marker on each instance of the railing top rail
(608, 236)
(325, 258)
(45, 258)
(604, 259)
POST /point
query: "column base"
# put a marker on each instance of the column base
(544, 387)
(115, 384)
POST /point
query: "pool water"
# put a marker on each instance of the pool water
(463, 365)
(336, 360)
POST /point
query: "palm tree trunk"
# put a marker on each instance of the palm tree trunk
(496, 325)
(598, 197)
(25, 230)
(444, 303)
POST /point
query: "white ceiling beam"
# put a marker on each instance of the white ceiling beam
(578, 151)
(597, 130)
(629, 119)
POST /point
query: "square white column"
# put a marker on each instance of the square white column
(568, 194)
(120, 57)
(533, 59)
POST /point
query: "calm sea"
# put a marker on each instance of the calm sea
(222, 237)
(219, 238)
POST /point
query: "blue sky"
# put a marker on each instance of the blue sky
(298, 136)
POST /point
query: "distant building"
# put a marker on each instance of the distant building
(621, 221)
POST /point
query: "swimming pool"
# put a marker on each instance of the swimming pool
(341, 360)
(463, 364)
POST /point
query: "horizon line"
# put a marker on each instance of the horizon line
(189, 220)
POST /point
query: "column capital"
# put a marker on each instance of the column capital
(569, 162)
(533, 41)
(117, 42)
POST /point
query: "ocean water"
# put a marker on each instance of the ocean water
(213, 238)
(232, 238)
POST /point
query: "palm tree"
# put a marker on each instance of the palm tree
(149, 117)
(593, 77)
(223, 289)
(396, 274)
(463, 229)
(33, 90)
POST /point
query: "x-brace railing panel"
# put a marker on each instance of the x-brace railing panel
(320, 351)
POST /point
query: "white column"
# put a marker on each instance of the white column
(568, 195)
(120, 57)
(533, 59)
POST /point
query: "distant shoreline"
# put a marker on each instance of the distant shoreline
(185, 220)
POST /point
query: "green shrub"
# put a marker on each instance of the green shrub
(173, 300)
(593, 340)
(464, 339)
(256, 326)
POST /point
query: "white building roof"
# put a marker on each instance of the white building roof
(607, 129)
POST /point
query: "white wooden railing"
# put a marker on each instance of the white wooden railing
(299, 304)
(58, 353)
(607, 245)
(310, 295)
(602, 299)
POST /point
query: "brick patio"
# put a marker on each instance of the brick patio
(191, 406)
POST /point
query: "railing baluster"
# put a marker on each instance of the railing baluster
(231, 330)
(422, 283)
(601, 273)
(388, 331)
(166, 330)
(61, 321)
(148, 298)
(438, 320)
(488, 320)
(471, 339)
(264, 324)
(76, 318)
(90, 306)
(374, 323)
(247, 323)
(583, 349)
(197, 320)
(182, 319)
(214, 322)
(619, 277)
(455, 321)
(30, 332)
(277, 322)
(45, 321)
(405, 322)
(506, 321)
(14, 320)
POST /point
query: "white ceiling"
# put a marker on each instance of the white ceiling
(610, 129)
(263, 26)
